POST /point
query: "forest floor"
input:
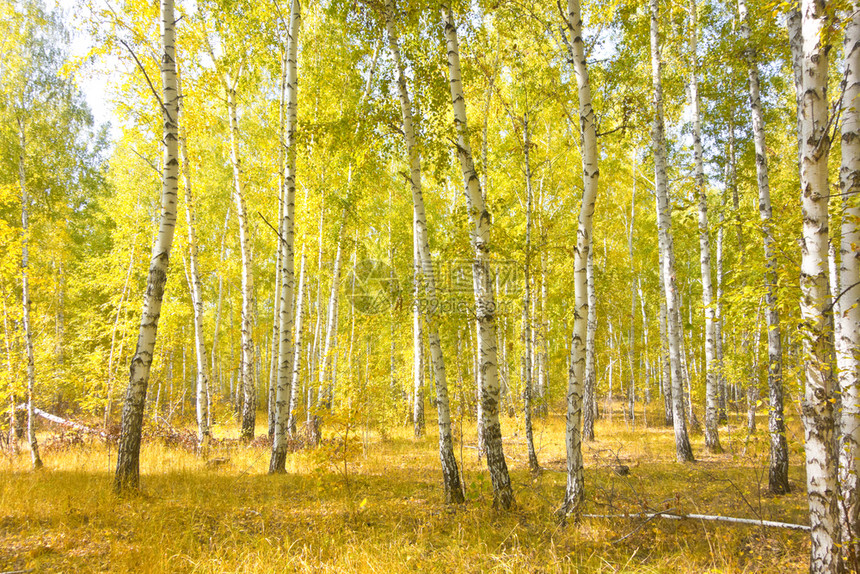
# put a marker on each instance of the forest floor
(384, 512)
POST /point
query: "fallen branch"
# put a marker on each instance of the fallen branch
(751, 521)
(61, 421)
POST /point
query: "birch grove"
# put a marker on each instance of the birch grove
(637, 251)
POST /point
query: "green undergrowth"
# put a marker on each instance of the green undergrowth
(382, 511)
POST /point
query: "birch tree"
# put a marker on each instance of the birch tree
(778, 469)
(818, 399)
(450, 473)
(575, 491)
(666, 245)
(202, 393)
(25, 294)
(847, 302)
(128, 456)
(484, 302)
(712, 437)
(286, 348)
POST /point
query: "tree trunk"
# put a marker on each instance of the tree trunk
(25, 297)
(417, 335)
(589, 403)
(450, 473)
(664, 223)
(297, 355)
(527, 319)
(202, 406)
(324, 390)
(249, 391)
(712, 403)
(484, 304)
(575, 490)
(818, 411)
(286, 348)
(848, 345)
(778, 469)
(631, 333)
(128, 457)
(279, 258)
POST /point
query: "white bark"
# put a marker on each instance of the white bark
(128, 466)
(286, 348)
(818, 411)
(485, 306)
(25, 296)
(527, 302)
(848, 299)
(712, 437)
(249, 405)
(575, 493)
(589, 403)
(326, 360)
(450, 473)
(297, 355)
(778, 469)
(664, 222)
(417, 333)
(202, 391)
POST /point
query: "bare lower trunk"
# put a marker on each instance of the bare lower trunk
(484, 304)
(417, 343)
(589, 408)
(297, 355)
(326, 365)
(128, 456)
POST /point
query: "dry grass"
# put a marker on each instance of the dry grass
(386, 516)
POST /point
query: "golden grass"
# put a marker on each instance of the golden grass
(386, 514)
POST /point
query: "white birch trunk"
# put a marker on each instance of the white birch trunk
(417, 336)
(778, 469)
(286, 348)
(485, 306)
(664, 222)
(25, 297)
(527, 317)
(575, 491)
(848, 344)
(249, 406)
(450, 472)
(712, 437)
(128, 457)
(202, 405)
(818, 410)
(297, 355)
(589, 404)
(327, 363)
